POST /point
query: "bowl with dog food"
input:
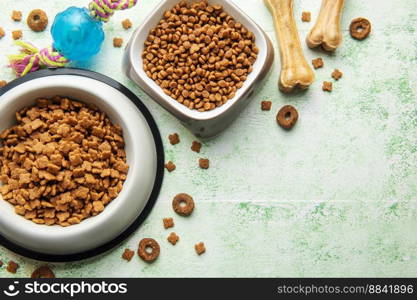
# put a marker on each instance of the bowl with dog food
(200, 60)
(81, 164)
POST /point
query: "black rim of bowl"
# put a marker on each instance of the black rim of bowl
(158, 179)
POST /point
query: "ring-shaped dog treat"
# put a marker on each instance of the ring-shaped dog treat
(145, 244)
(183, 204)
(287, 117)
(360, 28)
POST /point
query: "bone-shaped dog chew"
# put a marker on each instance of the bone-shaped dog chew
(326, 32)
(295, 71)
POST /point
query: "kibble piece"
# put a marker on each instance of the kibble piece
(200, 248)
(306, 16)
(43, 272)
(128, 254)
(337, 74)
(266, 105)
(2, 33)
(327, 86)
(37, 20)
(170, 166)
(12, 267)
(204, 163)
(360, 28)
(196, 146)
(183, 204)
(287, 117)
(317, 63)
(17, 34)
(173, 238)
(168, 223)
(148, 249)
(2, 83)
(117, 42)
(17, 15)
(174, 138)
(126, 24)
(1, 263)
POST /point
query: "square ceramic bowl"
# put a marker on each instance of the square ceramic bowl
(144, 155)
(202, 124)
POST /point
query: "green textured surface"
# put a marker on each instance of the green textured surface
(336, 196)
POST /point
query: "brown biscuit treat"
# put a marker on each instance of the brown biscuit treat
(183, 204)
(17, 15)
(117, 42)
(37, 20)
(266, 105)
(1, 263)
(200, 248)
(174, 138)
(337, 74)
(173, 238)
(170, 166)
(128, 254)
(2, 83)
(2, 33)
(204, 163)
(327, 86)
(287, 117)
(12, 267)
(150, 245)
(306, 16)
(17, 34)
(317, 63)
(360, 28)
(43, 272)
(196, 146)
(168, 223)
(126, 24)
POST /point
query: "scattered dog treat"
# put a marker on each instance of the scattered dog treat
(170, 166)
(117, 42)
(287, 117)
(128, 254)
(360, 28)
(196, 146)
(148, 250)
(168, 223)
(126, 24)
(17, 34)
(62, 163)
(37, 20)
(12, 267)
(2, 83)
(199, 55)
(337, 74)
(204, 163)
(17, 15)
(183, 204)
(317, 63)
(2, 33)
(174, 138)
(266, 105)
(173, 238)
(1, 263)
(306, 16)
(200, 248)
(43, 272)
(327, 86)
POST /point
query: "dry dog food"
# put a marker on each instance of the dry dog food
(17, 34)
(200, 248)
(126, 24)
(63, 162)
(327, 86)
(317, 63)
(170, 166)
(337, 74)
(266, 105)
(306, 16)
(174, 138)
(12, 267)
(148, 250)
(1, 263)
(37, 20)
(2, 83)
(128, 254)
(173, 238)
(117, 42)
(204, 163)
(287, 117)
(43, 272)
(183, 204)
(2, 33)
(196, 146)
(360, 28)
(199, 55)
(168, 223)
(17, 15)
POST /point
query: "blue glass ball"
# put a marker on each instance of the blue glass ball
(76, 34)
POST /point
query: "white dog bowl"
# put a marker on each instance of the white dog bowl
(202, 124)
(144, 154)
